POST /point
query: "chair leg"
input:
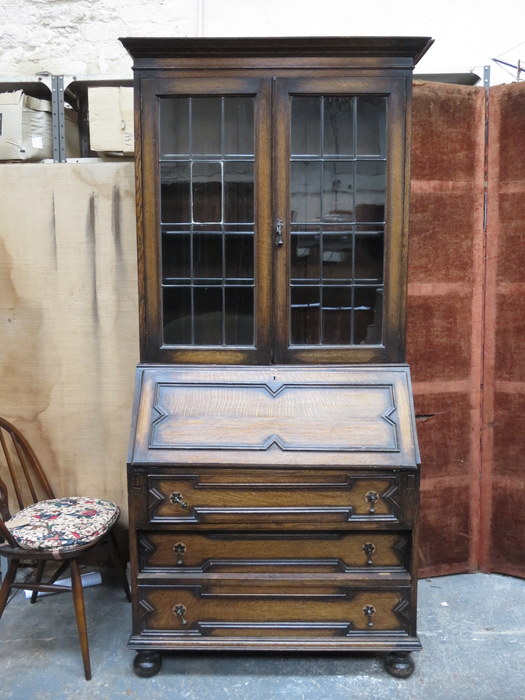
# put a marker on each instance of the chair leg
(80, 613)
(6, 584)
(38, 577)
(59, 571)
(117, 561)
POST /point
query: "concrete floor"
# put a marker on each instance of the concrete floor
(472, 628)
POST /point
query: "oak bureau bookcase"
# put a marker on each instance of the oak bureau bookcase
(273, 465)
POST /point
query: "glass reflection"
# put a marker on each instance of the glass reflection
(207, 309)
(370, 189)
(238, 192)
(176, 256)
(174, 126)
(305, 315)
(177, 316)
(206, 123)
(239, 326)
(238, 126)
(371, 126)
(306, 120)
(367, 315)
(338, 190)
(207, 218)
(175, 197)
(337, 256)
(239, 256)
(207, 192)
(338, 126)
(207, 256)
(337, 315)
(337, 202)
(305, 258)
(305, 191)
(369, 257)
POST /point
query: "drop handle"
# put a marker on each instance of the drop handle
(180, 550)
(180, 611)
(279, 226)
(177, 499)
(368, 612)
(371, 498)
(369, 549)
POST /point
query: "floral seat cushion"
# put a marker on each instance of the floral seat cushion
(63, 523)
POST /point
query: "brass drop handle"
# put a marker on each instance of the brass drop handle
(179, 549)
(369, 548)
(279, 224)
(180, 611)
(177, 499)
(369, 611)
(372, 497)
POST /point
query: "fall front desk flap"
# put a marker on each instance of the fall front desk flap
(283, 416)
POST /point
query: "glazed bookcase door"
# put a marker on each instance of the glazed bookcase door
(205, 234)
(339, 152)
(273, 220)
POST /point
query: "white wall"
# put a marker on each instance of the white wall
(80, 37)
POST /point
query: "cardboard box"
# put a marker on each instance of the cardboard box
(111, 120)
(26, 131)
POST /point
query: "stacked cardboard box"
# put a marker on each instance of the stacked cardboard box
(111, 120)
(26, 132)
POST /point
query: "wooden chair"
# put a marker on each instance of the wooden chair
(47, 528)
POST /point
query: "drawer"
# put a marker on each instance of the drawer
(272, 609)
(279, 496)
(263, 552)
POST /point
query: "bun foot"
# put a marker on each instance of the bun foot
(399, 664)
(147, 663)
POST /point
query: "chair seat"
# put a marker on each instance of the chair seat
(63, 523)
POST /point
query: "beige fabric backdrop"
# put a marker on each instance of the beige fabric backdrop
(68, 311)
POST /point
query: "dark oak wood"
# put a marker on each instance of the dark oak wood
(281, 609)
(272, 552)
(273, 485)
(231, 553)
(408, 49)
(356, 67)
(325, 415)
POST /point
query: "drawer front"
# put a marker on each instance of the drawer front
(278, 496)
(267, 552)
(292, 610)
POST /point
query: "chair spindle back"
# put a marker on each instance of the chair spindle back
(21, 475)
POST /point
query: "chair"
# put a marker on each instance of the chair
(47, 529)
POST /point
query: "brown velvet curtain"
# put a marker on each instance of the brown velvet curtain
(466, 322)
(503, 468)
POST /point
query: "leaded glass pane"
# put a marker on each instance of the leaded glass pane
(337, 211)
(207, 219)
